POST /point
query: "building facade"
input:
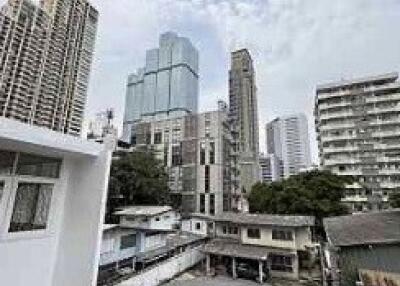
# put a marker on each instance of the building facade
(53, 189)
(270, 168)
(167, 86)
(357, 124)
(243, 116)
(198, 152)
(287, 138)
(46, 52)
(267, 245)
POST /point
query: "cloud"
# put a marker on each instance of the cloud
(296, 44)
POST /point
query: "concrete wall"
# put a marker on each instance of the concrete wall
(166, 270)
(189, 225)
(301, 238)
(67, 252)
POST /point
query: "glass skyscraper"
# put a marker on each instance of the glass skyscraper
(166, 87)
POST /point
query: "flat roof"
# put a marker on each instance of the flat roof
(364, 229)
(19, 136)
(143, 210)
(387, 77)
(266, 219)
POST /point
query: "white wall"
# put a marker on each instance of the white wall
(166, 270)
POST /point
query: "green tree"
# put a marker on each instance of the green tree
(394, 200)
(136, 178)
(316, 193)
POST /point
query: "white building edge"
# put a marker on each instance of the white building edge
(60, 243)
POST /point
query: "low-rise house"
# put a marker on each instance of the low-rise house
(359, 244)
(273, 245)
(52, 193)
(149, 217)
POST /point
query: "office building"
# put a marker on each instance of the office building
(167, 87)
(358, 124)
(198, 152)
(46, 51)
(288, 140)
(270, 168)
(53, 189)
(243, 116)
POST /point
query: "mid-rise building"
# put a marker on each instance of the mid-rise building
(243, 116)
(46, 49)
(270, 168)
(358, 124)
(288, 140)
(198, 152)
(167, 87)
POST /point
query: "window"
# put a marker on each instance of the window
(281, 263)
(158, 138)
(224, 229)
(176, 155)
(38, 166)
(128, 241)
(212, 204)
(198, 226)
(202, 203)
(212, 153)
(157, 218)
(282, 235)
(6, 162)
(202, 153)
(207, 178)
(148, 138)
(253, 233)
(31, 207)
(1, 190)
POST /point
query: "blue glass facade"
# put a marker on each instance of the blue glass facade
(167, 86)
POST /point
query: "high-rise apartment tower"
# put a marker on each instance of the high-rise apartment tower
(287, 138)
(243, 116)
(167, 87)
(46, 50)
(358, 128)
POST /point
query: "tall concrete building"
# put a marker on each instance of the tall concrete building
(287, 138)
(198, 152)
(46, 51)
(270, 168)
(243, 116)
(167, 87)
(358, 124)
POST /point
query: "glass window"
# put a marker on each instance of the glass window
(198, 226)
(202, 203)
(202, 153)
(212, 204)
(128, 241)
(31, 207)
(253, 233)
(212, 153)
(6, 162)
(38, 166)
(207, 179)
(158, 138)
(281, 263)
(282, 235)
(1, 190)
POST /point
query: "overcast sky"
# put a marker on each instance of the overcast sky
(295, 45)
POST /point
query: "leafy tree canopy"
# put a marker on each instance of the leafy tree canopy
(137, 178)
(316, 193)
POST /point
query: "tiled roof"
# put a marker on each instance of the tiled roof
(266, 219)
(360, 229)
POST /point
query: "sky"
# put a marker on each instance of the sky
(295, 44)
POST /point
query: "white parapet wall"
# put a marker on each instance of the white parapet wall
(54, 242)
(166, 270)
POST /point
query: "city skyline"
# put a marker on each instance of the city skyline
(282, 48)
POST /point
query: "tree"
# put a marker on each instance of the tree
(394, 199)
(316, 193)
(136, 178)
